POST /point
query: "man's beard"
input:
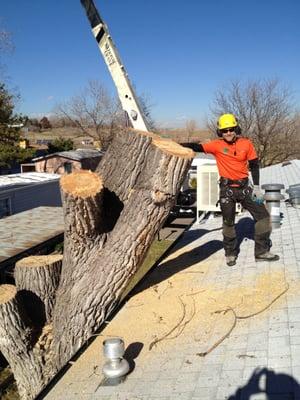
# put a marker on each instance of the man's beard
(231, 141)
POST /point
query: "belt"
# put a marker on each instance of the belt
(234, 182)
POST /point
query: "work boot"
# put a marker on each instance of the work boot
(267, 257)
(230, 260)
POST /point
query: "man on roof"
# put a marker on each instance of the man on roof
(235, 156)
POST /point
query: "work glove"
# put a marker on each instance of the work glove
(257, 195)
(194, 146)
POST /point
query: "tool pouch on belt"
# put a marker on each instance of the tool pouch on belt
(236, 189)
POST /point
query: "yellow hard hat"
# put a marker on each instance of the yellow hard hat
(227, 121)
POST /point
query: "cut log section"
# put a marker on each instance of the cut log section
(17, 339)
(82, 195)
(37, 279)
(142, 175)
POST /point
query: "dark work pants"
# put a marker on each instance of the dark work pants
(229, 196)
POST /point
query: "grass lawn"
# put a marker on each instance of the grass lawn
(157, 249)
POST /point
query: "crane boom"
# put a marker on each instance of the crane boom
(117, 70)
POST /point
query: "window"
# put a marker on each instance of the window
(5, 208)
(68, 167)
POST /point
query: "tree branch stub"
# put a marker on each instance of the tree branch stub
(81, 184)
(37, 279)
(82, 195)
(7, 293)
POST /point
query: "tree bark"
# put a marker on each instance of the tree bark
(21, 345)
(37, 279)
(111, 218)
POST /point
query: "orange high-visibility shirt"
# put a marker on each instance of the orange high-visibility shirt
(232, 158)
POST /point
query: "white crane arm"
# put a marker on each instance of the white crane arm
(118, 73)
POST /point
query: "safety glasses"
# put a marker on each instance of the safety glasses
(228, 130)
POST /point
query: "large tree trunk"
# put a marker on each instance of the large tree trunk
(111, 218)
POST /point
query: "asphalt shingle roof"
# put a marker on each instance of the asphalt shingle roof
(27, 178)
(25, 230)
(76, 155)
(260, 358)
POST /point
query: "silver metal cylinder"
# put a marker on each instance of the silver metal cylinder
(116, 366)
(113, 348)
(272, 197)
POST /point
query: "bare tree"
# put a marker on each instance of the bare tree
(146, 107)
(94, 113)
(190, 127)
(266, 114)
(111, 218)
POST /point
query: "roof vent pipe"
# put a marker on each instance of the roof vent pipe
(116, 366)
(272, 197)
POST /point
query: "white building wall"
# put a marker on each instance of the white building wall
(31, 196)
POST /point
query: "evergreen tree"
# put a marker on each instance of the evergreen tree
(10, 123)
(60, 144)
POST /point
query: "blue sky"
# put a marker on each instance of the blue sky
(176, 52)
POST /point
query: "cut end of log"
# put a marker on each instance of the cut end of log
(170, 147)
(39, 261)
(82, 184)
(144, 133)
(7, 293)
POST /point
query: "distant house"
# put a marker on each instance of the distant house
(27, 167)
(87, 141)
(21, 192)
(43, 141)
(68, 161)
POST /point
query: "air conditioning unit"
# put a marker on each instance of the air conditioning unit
(208, 189)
